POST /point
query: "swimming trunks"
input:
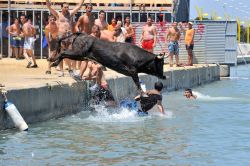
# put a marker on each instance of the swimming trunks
(53, 44)
(173, 47)
(129, 40)
(148, 102)
(15, 41)
(147, 44)
(191, 47)
(29, 43)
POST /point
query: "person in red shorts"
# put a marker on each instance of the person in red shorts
(148, 37)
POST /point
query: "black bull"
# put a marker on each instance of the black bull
(124, 58)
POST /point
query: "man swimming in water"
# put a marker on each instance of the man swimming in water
(189, 94)
(153, 98)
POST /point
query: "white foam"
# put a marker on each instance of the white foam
(167, 115)
(239, 78)
(119, 115)
(124, 115)
(155, 112)
(201, 96)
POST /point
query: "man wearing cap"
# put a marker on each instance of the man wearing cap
(189, 41)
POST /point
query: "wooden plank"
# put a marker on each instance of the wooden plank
(105, 8)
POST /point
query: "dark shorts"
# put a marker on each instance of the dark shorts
(191, 47)
(53, 44)
(16, 42)
(21, 44)
(129, 40)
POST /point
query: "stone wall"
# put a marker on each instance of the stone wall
(38, 104)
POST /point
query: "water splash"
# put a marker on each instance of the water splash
(201, 96)
(102, 114)
(239, 78)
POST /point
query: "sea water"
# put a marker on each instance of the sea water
(212, 130)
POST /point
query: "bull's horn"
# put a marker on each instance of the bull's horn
(159, 56)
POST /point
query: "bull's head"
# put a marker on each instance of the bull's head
(159, 62)
(83, 43)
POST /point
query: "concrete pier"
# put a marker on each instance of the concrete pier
(41, 97)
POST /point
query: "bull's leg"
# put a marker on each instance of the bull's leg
(66, 54)
(137, 83)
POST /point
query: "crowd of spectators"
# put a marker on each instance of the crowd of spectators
(61, 24)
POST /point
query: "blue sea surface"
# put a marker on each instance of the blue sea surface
(212, 130)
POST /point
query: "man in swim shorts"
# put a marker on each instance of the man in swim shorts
(172, 38)
(189, 41)
(28, 32)
(148, 37)
(65, 23)
(153, 97)
(15, 32)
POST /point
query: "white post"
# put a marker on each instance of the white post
(9, 51)
(41, 35)
(1, 20)
(131, 11)
(33, 23)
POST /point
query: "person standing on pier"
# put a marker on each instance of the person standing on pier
(101, 21)
(51, 34)
(85, 24)
(15, 32)
(65, 24)
(130, 31)
(189, 41)
(28, 32)
(172, 37)
(148, 37)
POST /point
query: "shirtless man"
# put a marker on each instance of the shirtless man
(153, 97)
(15, 32)
(51, 34)
(129, 29)
(101, 22)
(148, 37)
(28, 32)
(85, 22)
(64, 23)
(173, 35)
(107, 35)
(95, 70)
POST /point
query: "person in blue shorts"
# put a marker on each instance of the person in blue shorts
(153, 97)
(15, 38)
(172, 38)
